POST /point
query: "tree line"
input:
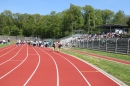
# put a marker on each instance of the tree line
(61, 24)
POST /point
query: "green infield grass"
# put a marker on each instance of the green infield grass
(120, 71)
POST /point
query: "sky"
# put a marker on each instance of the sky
(44, 7)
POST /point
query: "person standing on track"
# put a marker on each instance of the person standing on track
(59, 46)
(54, 45)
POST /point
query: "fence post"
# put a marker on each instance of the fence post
(116, 45)
(83, 43)
(128, 47)
(99, 44)
(106, 43)
(79, 43)
(92, 44)
(87, 43)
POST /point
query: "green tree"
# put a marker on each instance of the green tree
(128, 22)
(28, 25)
(14, 30)
(119, 18)
(6, 21)
(107, 16)
(76, 17)
(56, 25)
(88, 13)
(6, 30)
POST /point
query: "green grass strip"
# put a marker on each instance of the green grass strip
(4, 45)
(120, 71)
(108, 54)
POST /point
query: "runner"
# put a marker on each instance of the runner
(59, 46)
(53, 45)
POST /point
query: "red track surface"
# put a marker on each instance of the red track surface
(34, 66)
(103, 57)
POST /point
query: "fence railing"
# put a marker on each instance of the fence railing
(15, 38)
(116, 45)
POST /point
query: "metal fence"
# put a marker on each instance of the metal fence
(15, 38)
(116, 45)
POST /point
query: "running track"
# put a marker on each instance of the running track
(102, 57)
(33, 66)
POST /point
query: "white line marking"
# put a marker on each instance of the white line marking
(16, 60)
(102, 71)
(15, 67)
(31, 54)
(12, 57)
(55, 65)
(7, 52)
(34, 70)
(76, 69)
(5, 48)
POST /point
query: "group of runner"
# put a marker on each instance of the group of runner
(58, 45)
(43, 44)
(20, 42)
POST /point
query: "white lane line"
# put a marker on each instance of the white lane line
(12, 57)
(32, 54)
(7, 52)
(16, 66)
(75, 68)
(5, 48)
(34, 70)
(56, 67)
(16, 60)
(120, 83)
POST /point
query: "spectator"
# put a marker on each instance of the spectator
(4, 42)
(8, 40)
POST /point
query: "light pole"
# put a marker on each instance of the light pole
(72, 28)
(94, 18)
(89, 22)
(72, 20)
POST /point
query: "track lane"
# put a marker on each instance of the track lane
(5, 52)
(68, 74)
(31, 72)
(20, 74)
(6, 48)
(46, 74)
(13, 54)
(12, 62)
(94, 77)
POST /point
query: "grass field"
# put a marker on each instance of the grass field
(3, 45)
(118, 70)
(109, 54)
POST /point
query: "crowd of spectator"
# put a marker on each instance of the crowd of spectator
(91, 37)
